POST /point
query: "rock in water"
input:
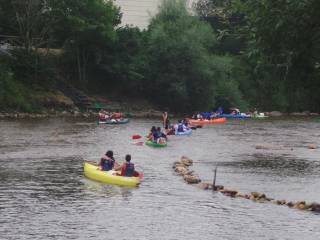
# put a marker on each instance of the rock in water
(191, 179)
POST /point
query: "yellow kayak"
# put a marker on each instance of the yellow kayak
(93, 172)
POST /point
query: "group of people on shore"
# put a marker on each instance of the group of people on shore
(107, 163)
(112, 116)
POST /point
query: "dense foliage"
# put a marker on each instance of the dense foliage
(279, 43)
(244, 53)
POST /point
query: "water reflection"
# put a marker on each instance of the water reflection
(284, 165)
(104, 190)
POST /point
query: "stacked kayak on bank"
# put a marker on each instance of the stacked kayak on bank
(206, 121)
(156, 145)
(115, 121)
(93, 172)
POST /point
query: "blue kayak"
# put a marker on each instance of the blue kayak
(232, 116)
(185, 133)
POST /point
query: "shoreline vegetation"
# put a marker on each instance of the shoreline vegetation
(147, 113)
(227, 53)
(56, 104)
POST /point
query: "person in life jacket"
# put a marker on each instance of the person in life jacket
(116, 115)
(151, 133)
(160, 133)
(171, 130)
(127, 168)
(159, 136)
(102, 115)
(219, 111)
(107, 161)
(180, 127)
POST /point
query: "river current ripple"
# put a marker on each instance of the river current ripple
(44, 195)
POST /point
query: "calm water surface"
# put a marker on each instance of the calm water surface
(43, 194)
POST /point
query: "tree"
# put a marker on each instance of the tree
(86, 28)
(185, 72)
(180, 73)
(26, 24)
(284, 60)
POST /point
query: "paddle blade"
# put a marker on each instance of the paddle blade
(136, 137)
(138, 143)
(141, 176)
(194, 128)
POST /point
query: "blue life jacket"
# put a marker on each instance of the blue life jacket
(107, 163)
(206, 115)
(219, 110)
(129, 169)
(155, 136)
(180, 127)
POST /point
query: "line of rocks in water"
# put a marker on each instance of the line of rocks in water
(182, 168)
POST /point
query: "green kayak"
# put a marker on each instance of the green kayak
(153, 144)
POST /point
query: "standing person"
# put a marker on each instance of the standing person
(167, 124)
(165, 119)
(127, 168)
(107, 161)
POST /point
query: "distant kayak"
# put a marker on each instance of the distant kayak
(115, 121)
(205, 121)
(93, 172)
(153, 144)
(233, 116)
(185, 133)
(259, 116)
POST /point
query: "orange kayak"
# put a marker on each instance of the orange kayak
(205, 121)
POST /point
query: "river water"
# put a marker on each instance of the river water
(44, 195)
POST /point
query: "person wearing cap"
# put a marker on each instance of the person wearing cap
(107, 161)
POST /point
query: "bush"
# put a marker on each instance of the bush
(12, 93)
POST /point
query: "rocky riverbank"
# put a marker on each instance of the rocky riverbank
(143, 113)
(75, 113)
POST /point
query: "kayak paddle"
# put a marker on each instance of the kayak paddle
(136, 136)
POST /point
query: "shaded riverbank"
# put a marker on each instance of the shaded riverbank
(144, 113)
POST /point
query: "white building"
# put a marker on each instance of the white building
(139, 12)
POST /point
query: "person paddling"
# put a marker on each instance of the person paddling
(180, 126)
(150, 136)
(107, 161)
(127, 168)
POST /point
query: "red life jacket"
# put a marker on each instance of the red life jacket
(117, 115)
(127, 169)
(102, 116)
